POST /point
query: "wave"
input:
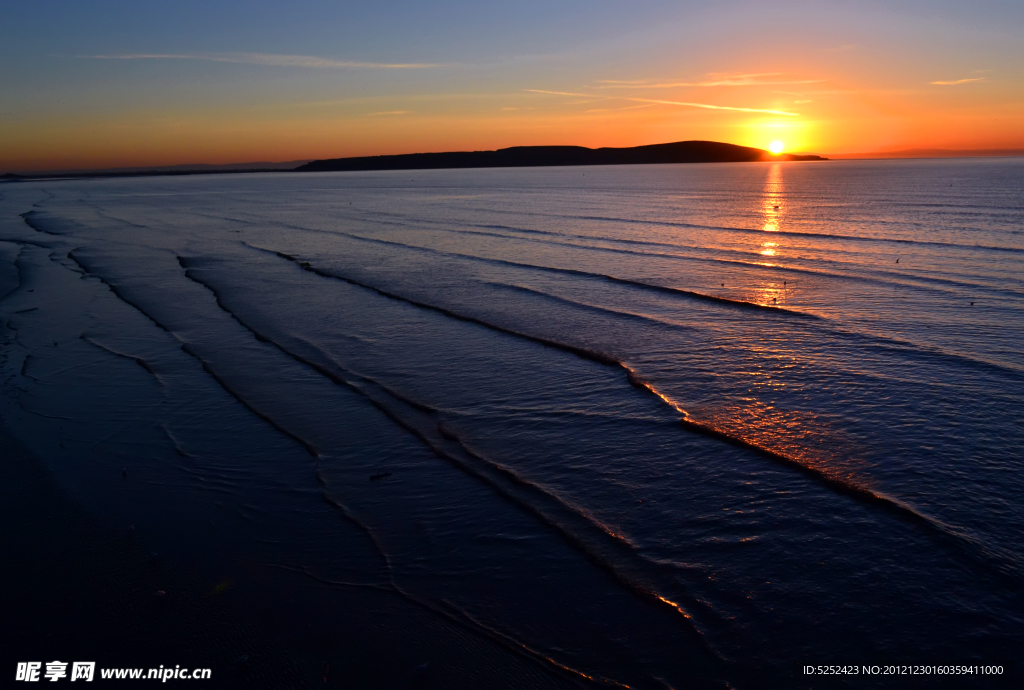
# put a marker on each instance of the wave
(727, 228)
(908, 278)
(742, 304)
(380, 393)
(189, 269)
(818, 235)
(698, 226)
(584, 305)
(208, 369)
(884, 343)
(894, 506)
(586, 353)
(310, 448)
(930, 282)
(843, 486)
(600, 543)
(188, 349)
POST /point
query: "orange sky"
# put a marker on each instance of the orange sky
(856, 84)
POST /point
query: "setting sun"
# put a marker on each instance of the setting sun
(775, 147)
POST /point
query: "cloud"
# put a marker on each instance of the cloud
(267, 59)
(716, 107)
(707, 106)
(563, 93)
(390, 112)
(958, 81)
(715, 80)
(628, 107)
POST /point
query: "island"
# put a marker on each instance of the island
(545, 156)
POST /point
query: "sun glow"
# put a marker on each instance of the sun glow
(775, 147)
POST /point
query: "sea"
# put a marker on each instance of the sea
(671, 426)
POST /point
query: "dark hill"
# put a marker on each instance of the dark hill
(528, 156)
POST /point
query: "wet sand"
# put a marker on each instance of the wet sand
(80, 591)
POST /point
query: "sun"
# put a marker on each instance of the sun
(775, 147)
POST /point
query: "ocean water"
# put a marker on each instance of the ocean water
(653, 426)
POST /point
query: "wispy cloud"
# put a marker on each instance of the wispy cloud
(652, 101)
(390, 112)
(716, 107)
(715, 80)
(269, 60)
(957, 81)
(614, 110)
(562, 93)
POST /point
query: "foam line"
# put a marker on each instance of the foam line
(310, 448)
(24, 369)
(174, 442)
(138, 360)
(589, 307)
(17, 269)
(30, 220)
(190, 273)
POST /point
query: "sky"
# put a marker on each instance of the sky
(117, 84)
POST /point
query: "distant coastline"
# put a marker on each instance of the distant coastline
(551, 156)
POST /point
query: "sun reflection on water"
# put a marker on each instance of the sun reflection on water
(772, 207)
(772, 211)
(800, 436)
